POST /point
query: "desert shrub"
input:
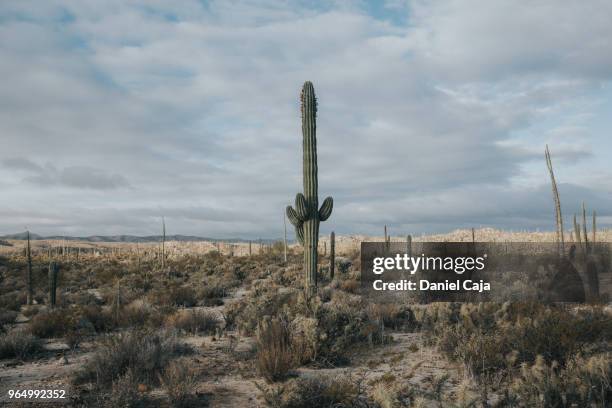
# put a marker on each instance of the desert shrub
(31, 310)
(339, 330)
(274, 349)
(350, 286)
(179, 381)
(52, 323)
(175, 295)
(265, 300)
(124, 393)
(584, 382)
(140, 313)
(100, 318)
(62, 322)
(146, 353)
(392, 315)
(7, 316)
(317, 391)
(327, 338)
(344, 265)
(19, 344)
(13, 300)
(593, 324)
(490, 337)
(211, 295)
(194, 321)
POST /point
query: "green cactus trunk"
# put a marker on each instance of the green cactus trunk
(311, 184)
(306, 216)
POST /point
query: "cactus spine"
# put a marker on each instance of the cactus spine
(332, 255)
(53, 270)
(30, 295)
(307, 215)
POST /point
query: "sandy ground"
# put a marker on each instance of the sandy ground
(226, 377)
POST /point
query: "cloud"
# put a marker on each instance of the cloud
(74, 176)
(192, 110)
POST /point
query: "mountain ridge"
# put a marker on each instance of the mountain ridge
(128, 238)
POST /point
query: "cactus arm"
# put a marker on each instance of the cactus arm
(299, 234)
(326, 209)
(294, 219)
(301, 207)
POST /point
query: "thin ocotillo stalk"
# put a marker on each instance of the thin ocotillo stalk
(584, 229)
(577, 237)
(163, 244)
(30, 294)
(594, 227)
(557, 200)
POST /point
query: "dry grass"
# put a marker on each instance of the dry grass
(19, 344)
(194, 321)
(275, 356)
(145, 353)
(179, 380)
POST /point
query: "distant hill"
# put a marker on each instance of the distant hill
(129, 238)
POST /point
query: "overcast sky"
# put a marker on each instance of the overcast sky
(431, 117)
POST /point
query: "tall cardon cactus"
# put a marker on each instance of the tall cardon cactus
(306, 215)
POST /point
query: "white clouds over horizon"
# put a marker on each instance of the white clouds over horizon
(432, 116)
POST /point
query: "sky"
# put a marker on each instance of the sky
(432, 115)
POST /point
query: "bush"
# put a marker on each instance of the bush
(145, 353)
(7, 317)
(53, 323)
(63, 323)
(140, 313)
(265, 300)
(194, 321)
(274, 351)
(179, 381)
(317, 391)
(585, 382)
(212, 295)
(19, 344)
(174, 296)
(350, 286)
(124, 393)
(13, 300)
(489, 337)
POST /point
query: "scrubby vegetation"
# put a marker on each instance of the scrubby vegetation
(19, 344)
(136, 335)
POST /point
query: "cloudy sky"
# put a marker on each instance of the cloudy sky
(431, 116)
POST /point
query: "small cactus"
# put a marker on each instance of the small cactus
(30, 294)
(53, 271)
(409, 245)
(594, 227)
(307, 215)
(332, 255)
(387, 241)
(584, 230)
